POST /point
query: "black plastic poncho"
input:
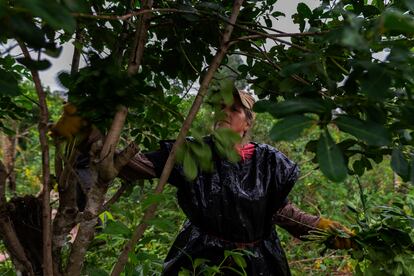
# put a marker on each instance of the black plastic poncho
(231, 208)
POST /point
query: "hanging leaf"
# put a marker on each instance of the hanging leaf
(35, 65)
(298, 106)
(189, 166)
(227, 88)
(400, 165)
(371, 132)
(330, 158)
(397, 21)
(8, 84)
(53, 13)
(304, 10)
(116, 228)
(290, 127)
(225, 140)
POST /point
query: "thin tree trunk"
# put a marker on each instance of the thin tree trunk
(150, 213)
(8, 144)
(43, 129)
(76, 52)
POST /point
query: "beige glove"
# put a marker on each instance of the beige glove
(335, 227)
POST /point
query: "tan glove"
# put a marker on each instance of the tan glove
(338, 242)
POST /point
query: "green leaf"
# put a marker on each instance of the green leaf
(53, 13)
(96, 271)
(264, 106)
(116, 228)
(162, 224)
(376, 82)
(199, 261)
(189, 166)
(396, 21)
(152, 199)
(298, 106)
(227, 88)
(239, 260)
(399, 164)
(304, 10)
(290, 127)
(330, 158)
(352, 38)
(371, 132)
(224, 141)
(409, 4)
(35, 65)
(202, 154)
(8, 84)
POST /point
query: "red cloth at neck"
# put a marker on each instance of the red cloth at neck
(245, 151)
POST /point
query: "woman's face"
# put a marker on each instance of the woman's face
(233, 117)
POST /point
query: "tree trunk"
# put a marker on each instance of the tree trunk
(8, 145)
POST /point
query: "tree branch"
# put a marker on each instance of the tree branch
(150, 213)
(140, 38)
(43, 129)
(114, 198)
(107, 170)
(76, 52)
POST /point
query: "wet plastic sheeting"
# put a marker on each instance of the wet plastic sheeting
(231, 208)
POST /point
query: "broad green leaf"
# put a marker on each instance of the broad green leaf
(53, 13)
(162, 224)
(264, 106)
(370, 132)
(227, 88)
(239, 260)
(399, 164)
(96, 271)
(116, 228)
(290, 127)
(330, 158)
(397, 21)
(409, 4)
(184, 272)
(8, 84)
(202, 154)
(304, 10)
(106, 216)
(151, 199)
(224, 141)
(298, 106)
(376, 83)
(352, 38)
(189, 166)
(35, 65)
(199, 261)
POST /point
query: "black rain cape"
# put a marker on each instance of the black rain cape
(231, 208)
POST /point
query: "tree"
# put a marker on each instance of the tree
(350, 67)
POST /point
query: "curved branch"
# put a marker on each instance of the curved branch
(107, 169)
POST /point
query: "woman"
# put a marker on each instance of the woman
(235, 206)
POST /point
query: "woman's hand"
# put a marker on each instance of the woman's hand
(342, 236)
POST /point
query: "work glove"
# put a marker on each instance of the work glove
(342, 236)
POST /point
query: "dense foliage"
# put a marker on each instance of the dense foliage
(342, 87)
